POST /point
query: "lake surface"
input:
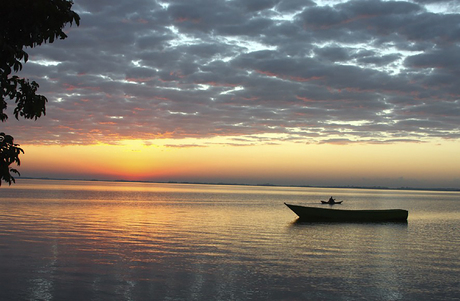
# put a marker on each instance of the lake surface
(77, 240)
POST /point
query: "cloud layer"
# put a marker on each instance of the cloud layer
(262, 70)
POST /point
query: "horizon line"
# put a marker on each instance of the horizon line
(246, 184)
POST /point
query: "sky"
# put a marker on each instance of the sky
(301, 92)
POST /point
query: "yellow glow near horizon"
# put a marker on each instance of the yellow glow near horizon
(196, 159)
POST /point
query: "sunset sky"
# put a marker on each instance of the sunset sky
(362, 93)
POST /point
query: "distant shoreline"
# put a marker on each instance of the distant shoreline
(242, 184)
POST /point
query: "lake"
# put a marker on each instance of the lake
(95, 240)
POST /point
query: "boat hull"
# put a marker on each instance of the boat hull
(322, 214)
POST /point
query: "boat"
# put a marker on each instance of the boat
(331, 203)
(332, 215)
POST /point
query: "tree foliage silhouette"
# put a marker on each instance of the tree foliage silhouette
(25, 23)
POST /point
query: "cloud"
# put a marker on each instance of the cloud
(306, 71)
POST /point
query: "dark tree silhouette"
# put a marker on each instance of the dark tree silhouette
(9, 154)
(25, 23)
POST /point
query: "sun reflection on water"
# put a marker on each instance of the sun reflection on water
(81, 240)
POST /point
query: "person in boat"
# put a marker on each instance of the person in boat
(331, 200)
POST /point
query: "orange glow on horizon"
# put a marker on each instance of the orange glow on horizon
(286, 163)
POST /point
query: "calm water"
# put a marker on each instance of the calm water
(75, 240)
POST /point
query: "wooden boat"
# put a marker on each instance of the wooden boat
(331, 203)
(332, 215)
